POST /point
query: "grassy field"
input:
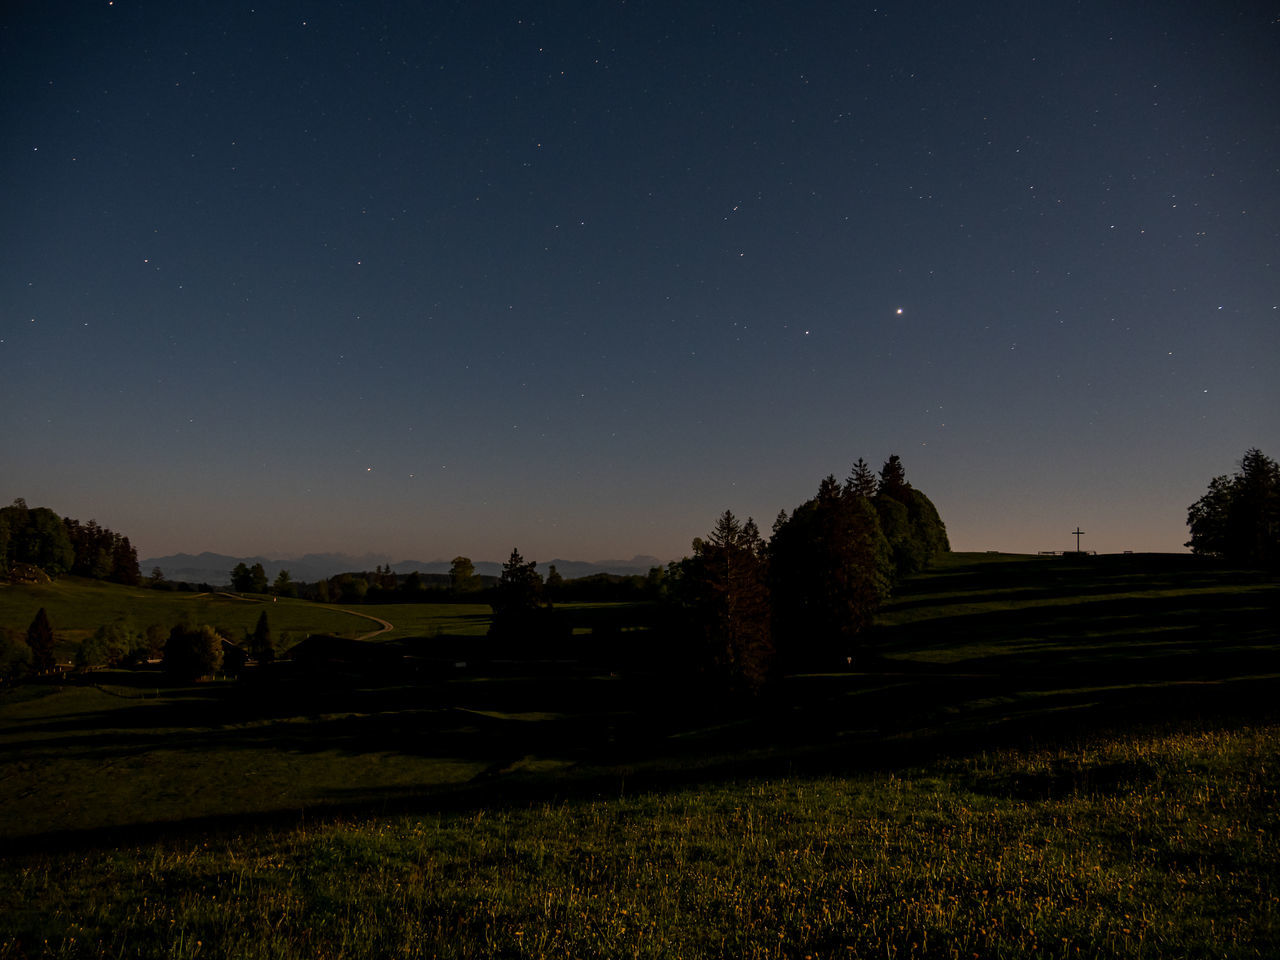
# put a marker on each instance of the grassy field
(1072, 757)
(77, 607)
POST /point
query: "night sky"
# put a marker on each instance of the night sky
(429, 279)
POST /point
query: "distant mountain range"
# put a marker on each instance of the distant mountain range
(215, 568)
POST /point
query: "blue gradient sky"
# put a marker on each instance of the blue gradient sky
(360, 277)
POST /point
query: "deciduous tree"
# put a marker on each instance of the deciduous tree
(462, 575)
(1239, 517)
(193, 652)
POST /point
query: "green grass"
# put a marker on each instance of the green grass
(1157, 845)
(1060, 756)
(77, 607)
(430, 619)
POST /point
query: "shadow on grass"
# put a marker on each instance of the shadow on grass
(542, 732)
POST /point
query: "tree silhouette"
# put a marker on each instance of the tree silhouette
(722, 594)
(1239, 517)
(517, 598)
(262, 643)
(462, 575)
(830, 569)
(193, 652)
(241, 578)
(861, 482)
(40, 640)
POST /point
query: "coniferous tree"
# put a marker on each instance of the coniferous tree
(124, 562)
(893, 479)
(517, 598)
(40, 639)
(284, 585)
(262, 643)
(554, 584)
(830, 570)
(862, 481)
(722, 595)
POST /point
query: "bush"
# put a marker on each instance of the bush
(193, 653)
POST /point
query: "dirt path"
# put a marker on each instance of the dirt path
(384, 626)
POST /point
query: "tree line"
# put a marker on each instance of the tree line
(38, 538)
(740, 609)
(747, 608)
(187, 651)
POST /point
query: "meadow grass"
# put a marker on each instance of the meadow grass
(76, 607)
(573, 811)
(1157, 845)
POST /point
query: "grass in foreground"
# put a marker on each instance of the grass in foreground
(1155, 845)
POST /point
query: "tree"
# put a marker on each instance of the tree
(111, 644)
(722, 597)
(4, 541)
(241, 578)
(284, 586)
(40, 640)
(15, 656)
(39, 536)
(124, 561)
(517, 598)
(258, 584)
(261, 643)
(193, 652)
(861, 482)
(909, 520)
(830, 570)
(554, 584)
(1239, 517)
(893, 479)
(157, 577)
(462, 575)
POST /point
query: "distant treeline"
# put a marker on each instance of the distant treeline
(36, 540)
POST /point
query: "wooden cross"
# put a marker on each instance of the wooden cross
(1079, 533)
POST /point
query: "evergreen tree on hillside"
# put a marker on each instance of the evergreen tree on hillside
(284, 585)
(124, 562)
(722, 595)
(862, 481)
(517, 598)
(830, 570)
(893, 479)
(40, 639)
(262, 643)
